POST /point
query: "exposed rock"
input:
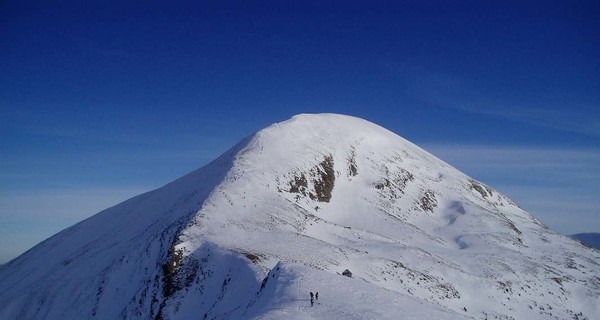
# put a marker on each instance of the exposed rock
(352, 167)
(479, 188)
(428, 201)
(322, 181)
(252, 257)
(170, 270)
(299, 184)
(393, 186)
(325, 180)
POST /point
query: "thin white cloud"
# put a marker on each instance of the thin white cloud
(447, 91)
(486, 156)
(565, 210)
(28, 218)
(65, 203)
(578, 118)
(558, 185)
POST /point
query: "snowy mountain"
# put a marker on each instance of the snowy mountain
(589, 239)
(284, 213)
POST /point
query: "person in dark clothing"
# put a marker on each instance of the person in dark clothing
(312, 301)
(317, 296)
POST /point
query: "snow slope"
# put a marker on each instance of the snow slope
(283, 213)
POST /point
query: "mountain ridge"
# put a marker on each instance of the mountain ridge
(591, 239)
(313, 196)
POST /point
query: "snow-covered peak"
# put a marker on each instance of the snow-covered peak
(286, 211)
(293, 141)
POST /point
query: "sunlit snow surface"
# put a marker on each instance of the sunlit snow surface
(285, 212)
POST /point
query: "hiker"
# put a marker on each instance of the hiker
(317, 296)
(312, 301)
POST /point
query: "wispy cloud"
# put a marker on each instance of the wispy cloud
(28, 218)
(447, 91)
(489, 157)
(565, 210)
(557, 185)
(574, 118)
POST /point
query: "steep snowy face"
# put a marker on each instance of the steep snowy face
(347, 172)
(284, 213)
(335, 192)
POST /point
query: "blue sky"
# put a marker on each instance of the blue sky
(100, 101)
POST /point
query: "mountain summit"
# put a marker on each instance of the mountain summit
(284, 213)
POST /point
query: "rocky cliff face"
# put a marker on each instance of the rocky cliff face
(285, 212)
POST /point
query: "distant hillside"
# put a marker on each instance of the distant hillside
(589, 239)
